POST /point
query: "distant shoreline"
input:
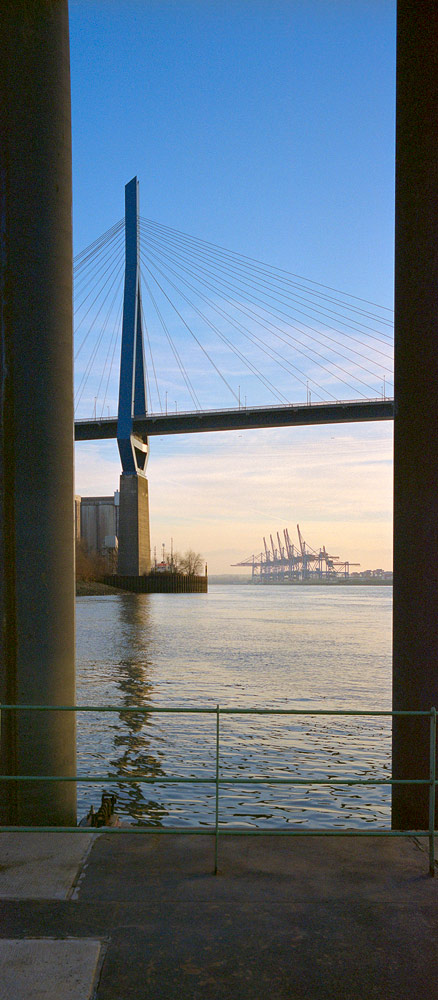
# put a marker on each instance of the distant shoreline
(346, 582)
(92, 588)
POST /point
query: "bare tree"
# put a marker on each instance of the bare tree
(191, 563)
(89, 565)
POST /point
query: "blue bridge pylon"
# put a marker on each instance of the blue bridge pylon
(133, 446)
(135, 423)
(134, 535)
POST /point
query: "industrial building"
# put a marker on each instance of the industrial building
(97, 524)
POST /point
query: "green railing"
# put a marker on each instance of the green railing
(219, 780)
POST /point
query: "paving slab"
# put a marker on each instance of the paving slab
(311, 868)
(241, 952)
(284, 919)
(288, 919)
(41, 865)
(44, 969)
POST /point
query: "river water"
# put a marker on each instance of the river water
(239, 647)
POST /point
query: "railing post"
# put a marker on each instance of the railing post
(216, 833)
(432, 776)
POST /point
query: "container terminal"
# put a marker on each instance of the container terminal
(284, 562)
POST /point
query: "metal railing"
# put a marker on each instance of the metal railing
(154, 415)
(219, 780)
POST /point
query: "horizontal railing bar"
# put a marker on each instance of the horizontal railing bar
(210, 831)
(165, 780)
(110, 708)
(232, 409)
(218, 829)
(312, 832)
(207, 711)
(113, 779)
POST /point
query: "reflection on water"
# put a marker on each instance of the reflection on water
(239, 647)
(121, 743)
(132, 752)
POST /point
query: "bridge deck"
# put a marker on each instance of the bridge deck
(244, 418)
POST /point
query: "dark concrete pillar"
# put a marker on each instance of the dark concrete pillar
(134, 537)
(416, 407)
(36, 439)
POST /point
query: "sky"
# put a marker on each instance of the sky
(266, 128)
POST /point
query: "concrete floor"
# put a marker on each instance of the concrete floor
(308, 918)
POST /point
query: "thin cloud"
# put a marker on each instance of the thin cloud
(220, 493)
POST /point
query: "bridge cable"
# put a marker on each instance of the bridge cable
(89, 250)
(192, 254)
(201, 281)
(181, 367)
(146, 329)
(112, 341)
(251, 367)
(287, 342)
(79, 266)
(117, 332)
(294, 341)
(203, 349)
(95, 267)
(253, 338)
(115, 265)
(249, 364)
(270, 351)
(262, 265)
(88, 368)
(118, 277)
(206, 255)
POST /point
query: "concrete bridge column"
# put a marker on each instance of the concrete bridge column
(415, 678)
(36, 409)
(134, 535)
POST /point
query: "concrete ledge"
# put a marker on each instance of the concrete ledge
(44, 969)
(41, 865)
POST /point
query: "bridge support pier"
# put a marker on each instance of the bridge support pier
(415, 676)
(134, 537)
(36, 405)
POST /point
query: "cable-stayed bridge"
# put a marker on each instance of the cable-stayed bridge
(227, 341)
(283, 350)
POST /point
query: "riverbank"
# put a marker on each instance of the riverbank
(93, 588)
(155, 583)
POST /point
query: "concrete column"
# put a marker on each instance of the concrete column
(416, 408)
(134, 537)
(36, 440)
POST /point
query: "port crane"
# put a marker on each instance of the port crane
(287, 563)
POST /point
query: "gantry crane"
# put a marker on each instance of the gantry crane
(286, 564)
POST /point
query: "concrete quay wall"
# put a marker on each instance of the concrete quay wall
(159, 583)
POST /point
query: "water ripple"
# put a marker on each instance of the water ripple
(292, 647)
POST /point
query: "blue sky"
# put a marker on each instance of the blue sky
(266, 127)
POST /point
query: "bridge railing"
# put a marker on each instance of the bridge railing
(218, 780)
(236, 409)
